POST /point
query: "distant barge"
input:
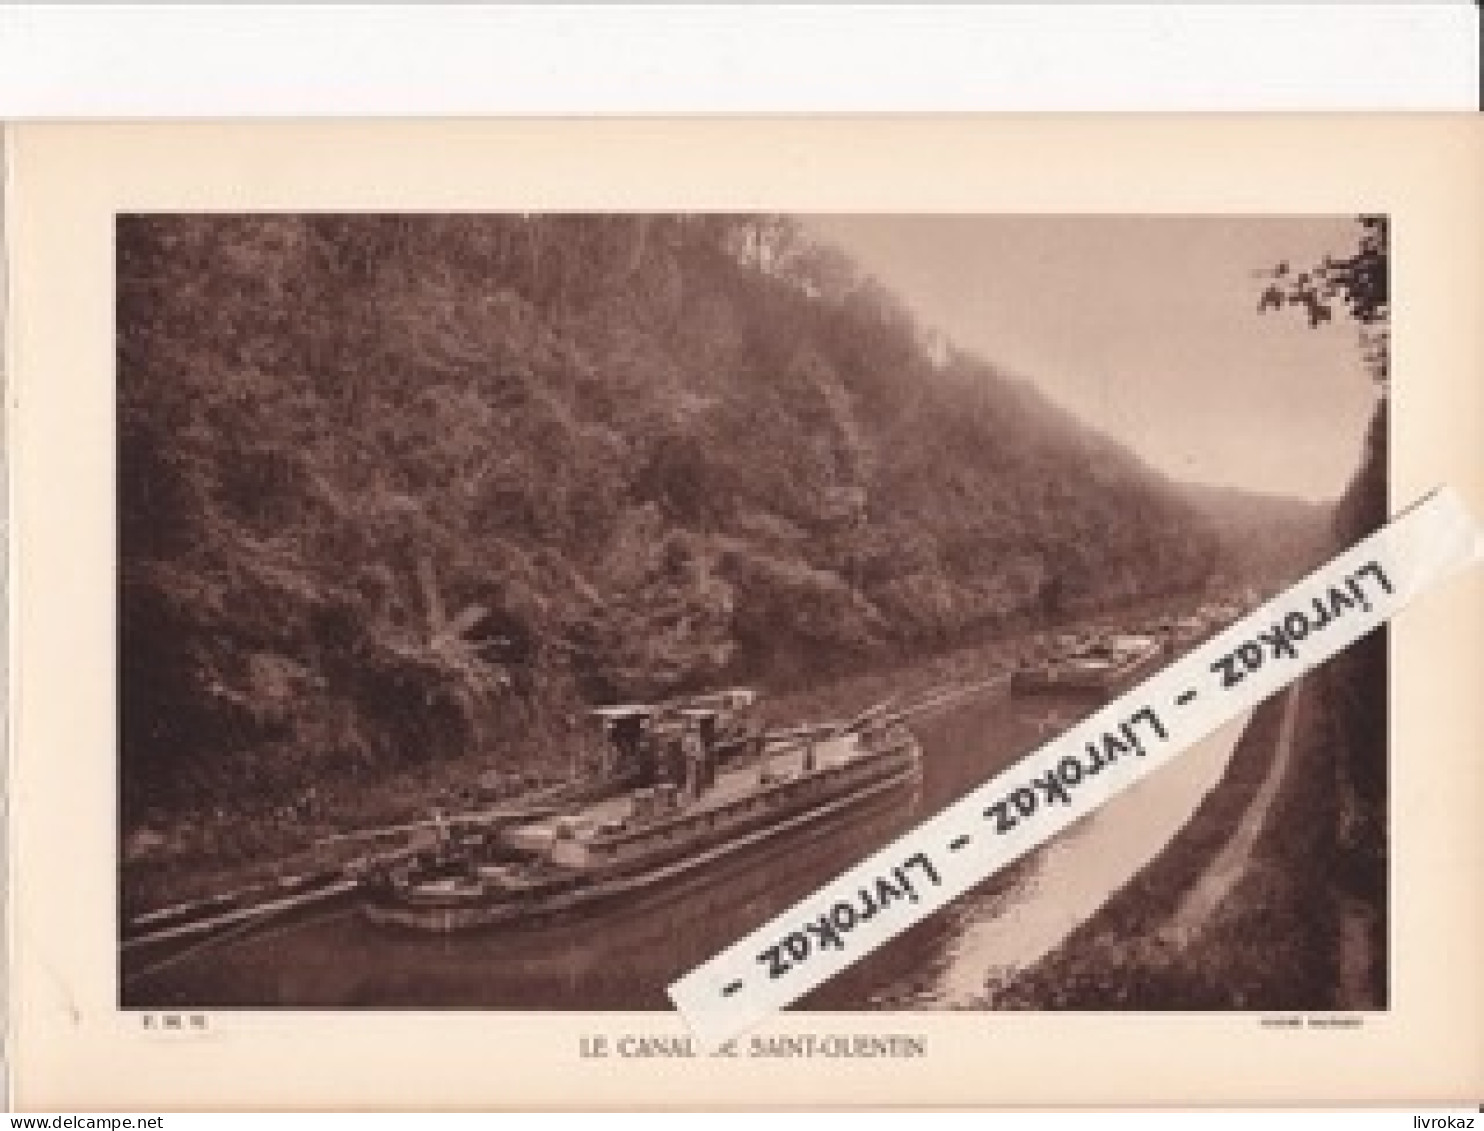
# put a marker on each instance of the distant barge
(1100, 667)
(1105, 663)
(693, 814)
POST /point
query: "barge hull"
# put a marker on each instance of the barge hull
(461, 918)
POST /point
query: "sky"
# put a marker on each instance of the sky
(1146, 328)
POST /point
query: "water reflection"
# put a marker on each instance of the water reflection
(1074, 875)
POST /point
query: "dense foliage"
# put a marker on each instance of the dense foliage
(402, 487)
(1360, 283)
(1354, 685)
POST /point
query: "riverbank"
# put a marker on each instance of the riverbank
(1267, 937)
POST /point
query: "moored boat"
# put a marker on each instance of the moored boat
(693, 809)
(1102, 666)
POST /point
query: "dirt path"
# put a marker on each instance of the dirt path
(1216, 883)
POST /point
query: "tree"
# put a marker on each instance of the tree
(1361, 280)
(1353, 685)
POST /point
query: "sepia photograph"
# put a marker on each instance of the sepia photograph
(515, 609)
(482, 576)
(742, 558)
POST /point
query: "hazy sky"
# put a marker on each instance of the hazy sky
(1148, 329)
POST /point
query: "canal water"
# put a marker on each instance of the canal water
(623, 958)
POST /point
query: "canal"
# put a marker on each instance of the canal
(624, 958)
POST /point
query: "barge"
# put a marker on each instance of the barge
(677, 786)
(1102, 667)
(694, 808)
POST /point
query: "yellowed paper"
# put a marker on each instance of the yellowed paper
(75, 1049)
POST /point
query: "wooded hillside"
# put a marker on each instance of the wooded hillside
(404, 487)
(1267, 540)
